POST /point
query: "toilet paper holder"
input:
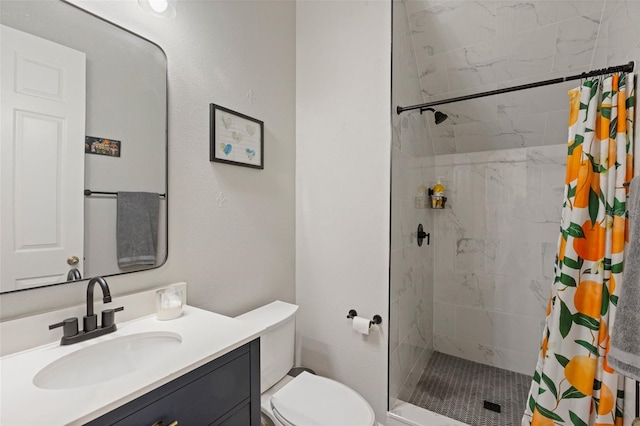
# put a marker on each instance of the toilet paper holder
(377, 319)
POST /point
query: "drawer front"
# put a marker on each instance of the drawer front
(241, 417)
(201, 401)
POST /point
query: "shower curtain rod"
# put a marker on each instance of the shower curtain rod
(619, 68)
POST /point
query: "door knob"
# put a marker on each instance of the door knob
(73, 260)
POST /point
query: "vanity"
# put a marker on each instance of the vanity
(221, 392)
(201, 368)
(198, 369)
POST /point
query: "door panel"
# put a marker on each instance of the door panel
(43, 118)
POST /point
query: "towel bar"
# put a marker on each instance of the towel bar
(88, 193)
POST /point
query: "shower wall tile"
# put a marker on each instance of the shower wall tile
(486, 354)
(413, 376)
(473, 254)
(501, 158)
(532, 191)
(411, 135)
(445, 315)
(471, 111)
(575, 42)
(517, 295)
(517, 132)
(448, 25)
(401, 174)
(495, 247)
(401, 364)
(399, 236)
(400, 273)
(524, 55)
(471, 350)
(412, 158)
(519, 16)
(394, 323)
(396, 379)
(552, 174)
(519, 259)
(538, 222)
(515, 361)
(472, 66)
(444, 140)
(552, 154)
(545, 99)
(620, 19)
(433, 75)
(465, 47)
(557, 129)
(618, 39)
(461, 289)
(504, 330)
(549, 252)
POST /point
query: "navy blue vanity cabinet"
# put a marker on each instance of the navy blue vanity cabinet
(224, 392)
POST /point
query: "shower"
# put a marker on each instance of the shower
(467, 310)
(439, 116)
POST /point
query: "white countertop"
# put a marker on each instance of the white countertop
(205, 336)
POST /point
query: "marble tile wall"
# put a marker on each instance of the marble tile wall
(464, 47)
(480, 290)
(411, 278)
(495, 244)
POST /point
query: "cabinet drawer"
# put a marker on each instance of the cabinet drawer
(201, 401)
(241, 417)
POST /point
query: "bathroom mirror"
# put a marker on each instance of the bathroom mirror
(84, 108)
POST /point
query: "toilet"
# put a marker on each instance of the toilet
(306, 399)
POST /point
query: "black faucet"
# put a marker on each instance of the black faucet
(90, 321)
(74, 275)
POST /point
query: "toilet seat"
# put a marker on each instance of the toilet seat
(310, 400)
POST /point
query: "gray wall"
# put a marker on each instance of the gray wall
(231, 229)
(342, 186)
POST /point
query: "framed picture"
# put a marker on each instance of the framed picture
(101, 146)
(235, 138)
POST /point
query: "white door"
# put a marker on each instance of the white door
(41, 159)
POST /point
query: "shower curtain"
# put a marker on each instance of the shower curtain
(572, 384)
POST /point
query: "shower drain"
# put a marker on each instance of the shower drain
(492, 406)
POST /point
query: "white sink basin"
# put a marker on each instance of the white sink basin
(107, 360)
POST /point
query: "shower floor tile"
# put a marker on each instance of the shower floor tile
(457, 388)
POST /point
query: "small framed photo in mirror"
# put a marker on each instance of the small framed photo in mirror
(101, 146)
(235, 138)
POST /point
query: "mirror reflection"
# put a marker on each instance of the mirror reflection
(83, 147)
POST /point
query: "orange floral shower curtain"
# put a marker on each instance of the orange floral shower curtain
(572, 384)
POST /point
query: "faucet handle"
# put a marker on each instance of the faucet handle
(108, 316)
(69, 327)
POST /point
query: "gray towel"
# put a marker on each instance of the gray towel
(624, 354)
(137, 228)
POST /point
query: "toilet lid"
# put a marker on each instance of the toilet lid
(310, 400)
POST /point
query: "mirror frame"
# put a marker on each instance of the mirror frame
(166, 157)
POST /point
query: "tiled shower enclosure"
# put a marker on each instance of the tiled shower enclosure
(479, 290)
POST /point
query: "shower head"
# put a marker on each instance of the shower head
(439, 116)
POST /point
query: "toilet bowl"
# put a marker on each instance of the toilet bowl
(307, 399)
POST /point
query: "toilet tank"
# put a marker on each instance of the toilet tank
(277, 341)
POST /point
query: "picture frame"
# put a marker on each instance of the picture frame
(102, 146)
(235, 138)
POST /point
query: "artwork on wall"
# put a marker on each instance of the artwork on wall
(101, 146)
(235, 138)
